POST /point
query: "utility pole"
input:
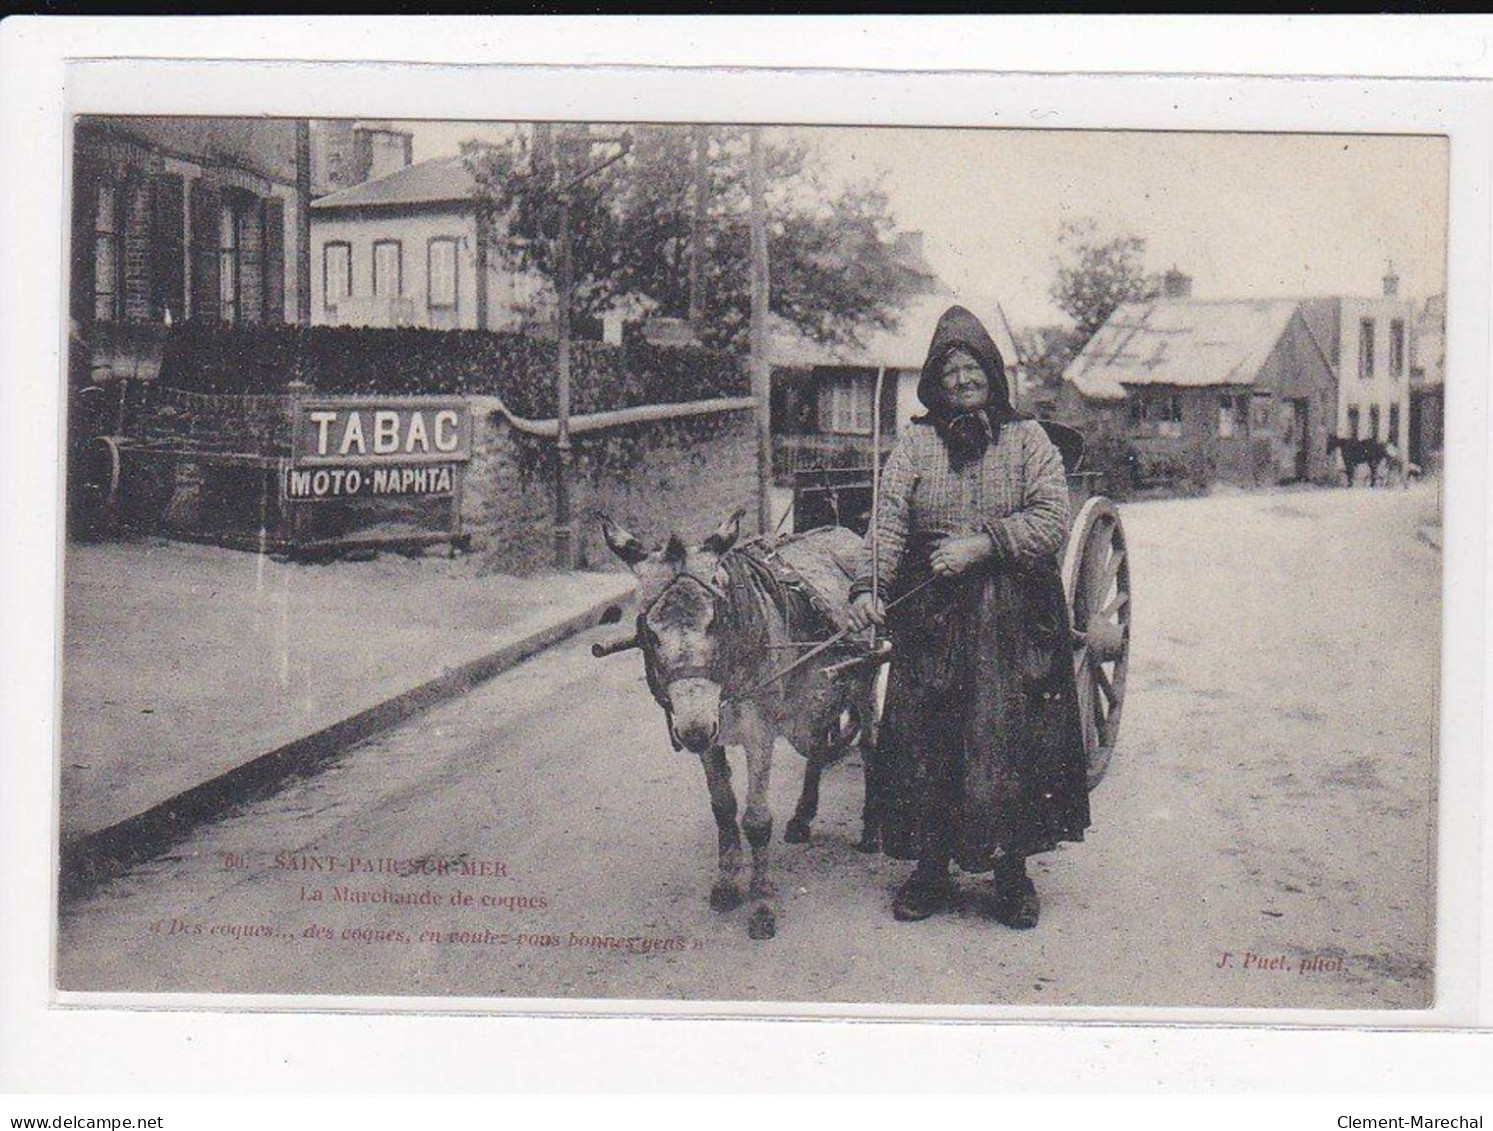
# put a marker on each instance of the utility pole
(761, 366)
(302, 222)
(697, 230)
(570, 153)
(564, 542)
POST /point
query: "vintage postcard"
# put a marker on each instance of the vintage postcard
(895, 569)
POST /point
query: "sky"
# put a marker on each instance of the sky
(1246, 215)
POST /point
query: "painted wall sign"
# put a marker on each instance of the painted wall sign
(362, 482)
(354, 431)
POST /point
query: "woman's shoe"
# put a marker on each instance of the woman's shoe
(920, 896)
(1017, 905)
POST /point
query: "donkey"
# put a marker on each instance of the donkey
(717, 624)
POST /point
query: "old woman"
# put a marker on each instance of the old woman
(982, 756)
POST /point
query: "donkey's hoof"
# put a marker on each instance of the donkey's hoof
(762, 924)
(797, 832)
(725, 897)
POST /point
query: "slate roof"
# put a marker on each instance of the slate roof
(1183, 342)
(441, 180)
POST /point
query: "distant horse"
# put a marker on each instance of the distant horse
(718, 624)
(1357, 452)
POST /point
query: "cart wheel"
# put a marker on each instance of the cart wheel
(97, 489)
(1096, 577)
(149, 483)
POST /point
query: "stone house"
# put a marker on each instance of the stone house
(409, 249)
(1428, 382)
(1371, 343)
(184, 218)
(1234, 390)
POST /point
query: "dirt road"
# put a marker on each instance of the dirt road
(1264, 836)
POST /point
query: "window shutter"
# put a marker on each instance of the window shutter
(85, 201)
(250, 213)
(133, 225)
(204, 209)
(274, 260)
(169, 276)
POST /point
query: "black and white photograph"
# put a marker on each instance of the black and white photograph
(734, 563)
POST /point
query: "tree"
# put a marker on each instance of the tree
(1094, 275)
(834, 273)
(1046, 352)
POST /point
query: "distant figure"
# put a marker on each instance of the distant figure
(1395, 464)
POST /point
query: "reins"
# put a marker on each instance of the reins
(778, 599)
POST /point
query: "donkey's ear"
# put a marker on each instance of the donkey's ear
(724, 536)
(623, 544)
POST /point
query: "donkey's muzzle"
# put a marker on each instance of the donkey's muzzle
(695, 713)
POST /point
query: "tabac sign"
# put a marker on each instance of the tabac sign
(366, 447)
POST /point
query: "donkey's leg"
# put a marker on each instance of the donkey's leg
(756, 821)
(807, 809)
(725, 895)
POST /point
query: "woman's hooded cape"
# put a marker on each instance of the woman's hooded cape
(959, 329)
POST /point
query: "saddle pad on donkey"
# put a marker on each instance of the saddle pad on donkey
(825, 561)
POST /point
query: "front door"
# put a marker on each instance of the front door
(1303, 435)
(1290, 440)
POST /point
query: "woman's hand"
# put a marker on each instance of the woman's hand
(955, 554)
(865, 611)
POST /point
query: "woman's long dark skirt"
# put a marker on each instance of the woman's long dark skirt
(981, 749)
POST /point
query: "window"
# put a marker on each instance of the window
(1353, 421)
(1233, 416)
(1397, 348)
(1138, 414)
(440, 266)
(1365, 348)
(388, 269)
(1261, 409)
(1373, 422)
(230, 233)
(1168, 415)
(845, 405)
(1394, 424)
(106, 271)
(336, 273)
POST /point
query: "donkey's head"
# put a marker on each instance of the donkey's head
(682, 599)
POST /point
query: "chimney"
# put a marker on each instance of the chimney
(378, 150)
(1175, 284)
(1391, 281)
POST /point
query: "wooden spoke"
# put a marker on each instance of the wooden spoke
(1112, 570)
(1096, 580)
(1101, 677)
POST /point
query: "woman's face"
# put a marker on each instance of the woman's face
(965, 385)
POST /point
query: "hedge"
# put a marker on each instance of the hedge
(519, 368)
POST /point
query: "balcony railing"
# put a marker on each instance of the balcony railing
(801, 453)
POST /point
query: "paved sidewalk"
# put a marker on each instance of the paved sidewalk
(182, 663)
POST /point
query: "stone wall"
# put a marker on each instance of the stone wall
(654, 478)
